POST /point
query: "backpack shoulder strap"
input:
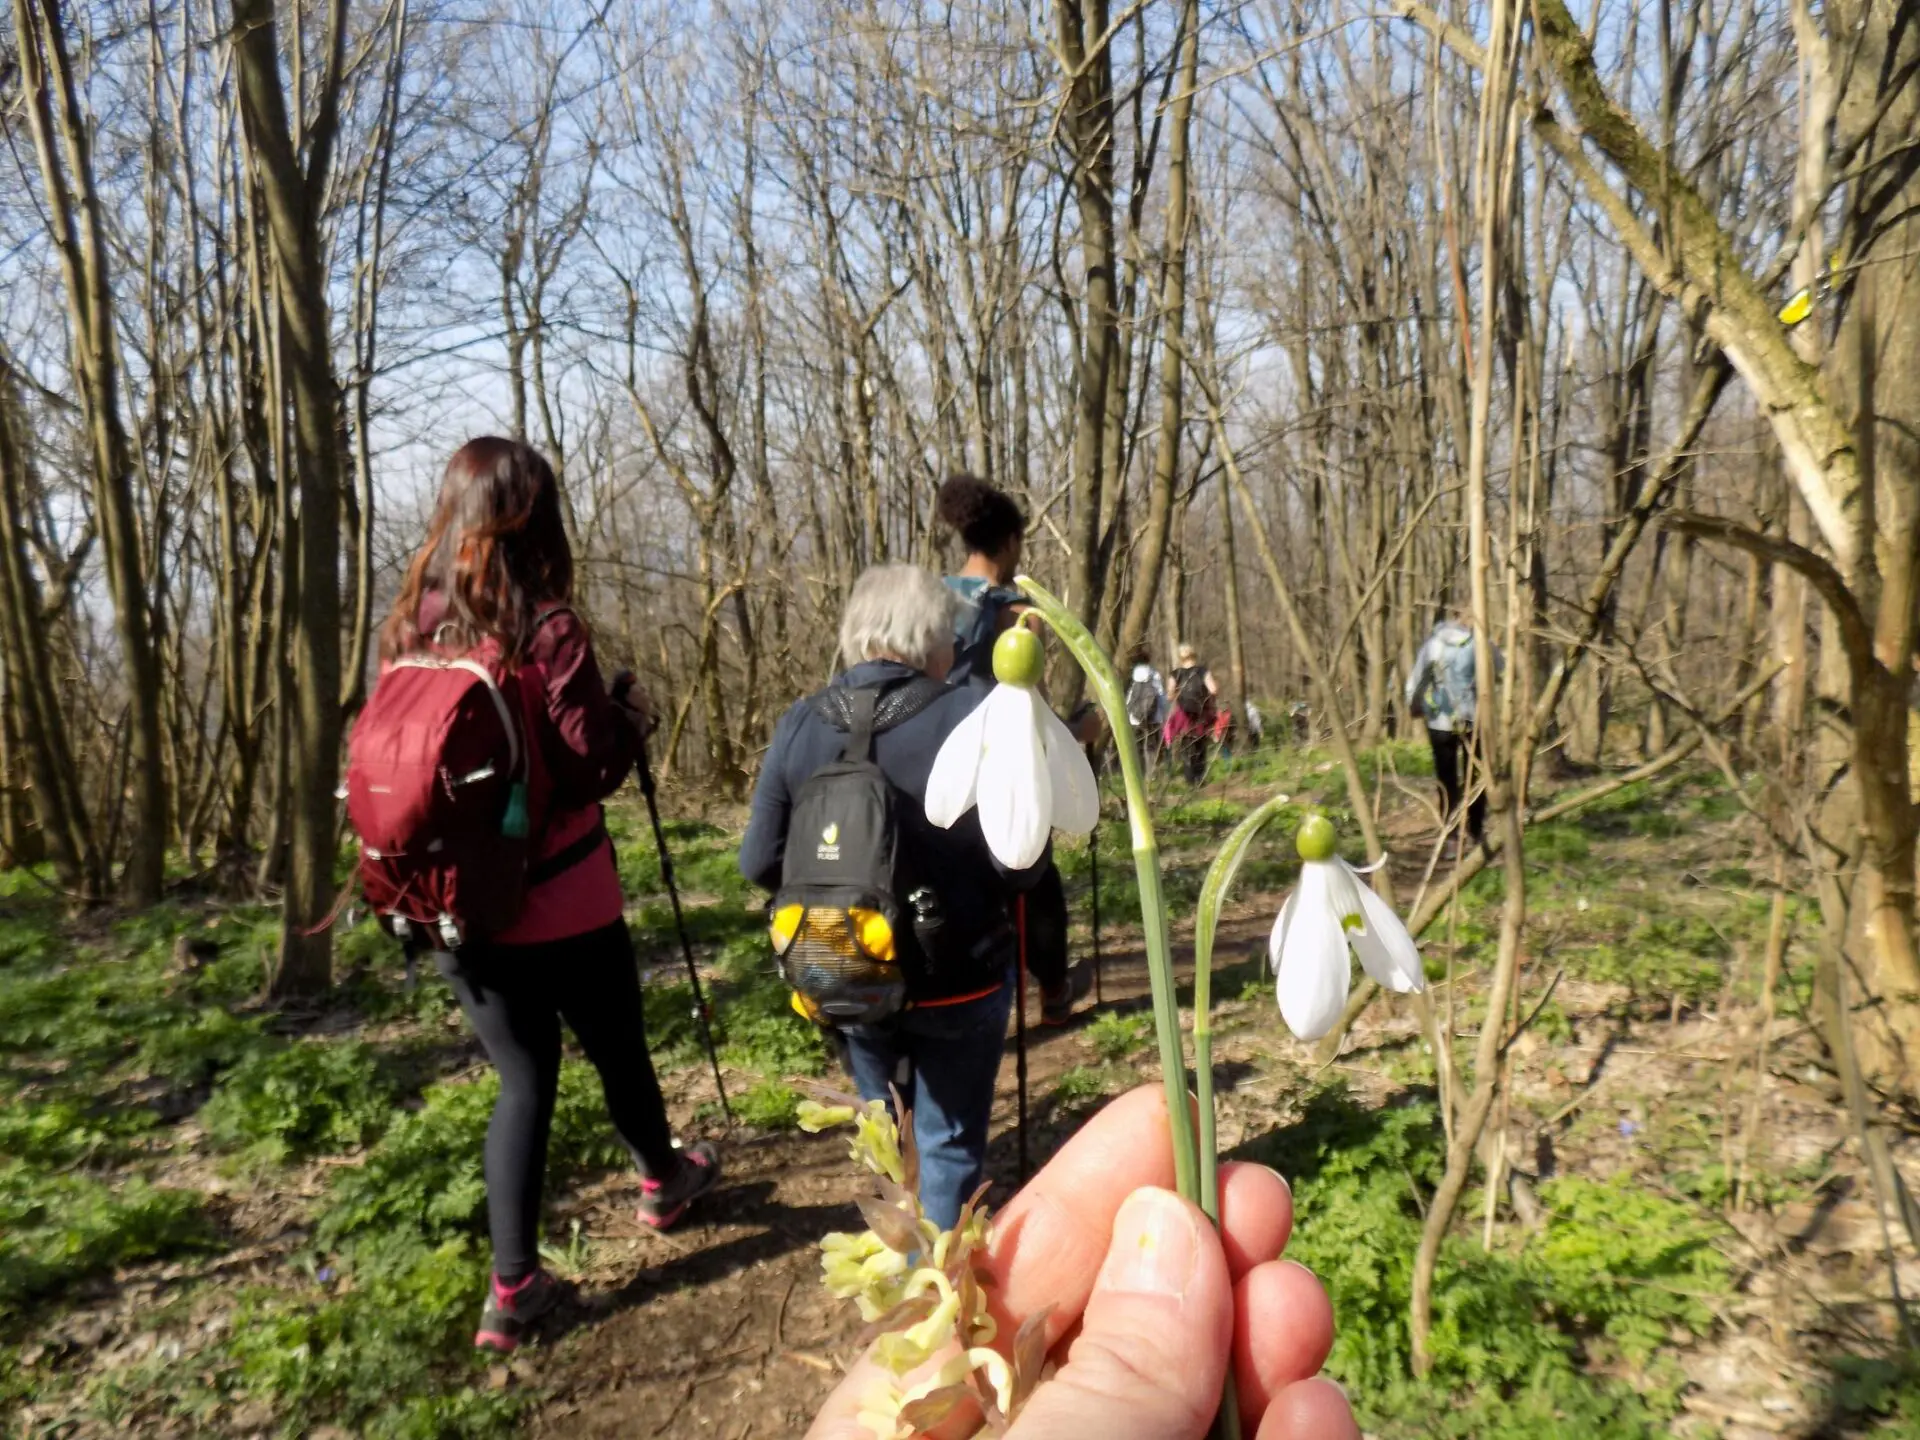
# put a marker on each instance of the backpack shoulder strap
(900, 703)
(861, 707)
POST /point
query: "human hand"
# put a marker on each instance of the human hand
(634, 702)
(1146, 1297)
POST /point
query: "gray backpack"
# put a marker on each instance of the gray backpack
(1451, 690)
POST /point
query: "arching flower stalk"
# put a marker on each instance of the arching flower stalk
(1110, 694)
(1206, 920)
(1016, 770)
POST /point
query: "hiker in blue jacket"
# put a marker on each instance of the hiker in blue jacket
(992, 527)
(1441, 691)
(943, 1051)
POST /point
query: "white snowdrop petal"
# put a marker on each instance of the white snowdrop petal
(1314, 970)
(1386, 947)
(1076, 794)
(1312, 889)
(1276, 940)
(1343, 889)
(955, 775)
(1015, 800)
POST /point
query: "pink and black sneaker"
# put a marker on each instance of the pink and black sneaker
(512, 1309)
(663, 1202)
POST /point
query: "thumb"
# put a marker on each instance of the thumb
(1151, 1356)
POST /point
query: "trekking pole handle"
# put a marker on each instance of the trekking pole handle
(618, 691)
(621, 686)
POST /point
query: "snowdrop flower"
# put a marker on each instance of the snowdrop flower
(1330, 909)
(1015, 760)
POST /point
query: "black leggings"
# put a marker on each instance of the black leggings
(1452, 752)
(516, 996)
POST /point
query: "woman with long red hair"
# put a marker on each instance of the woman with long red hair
(496, 570)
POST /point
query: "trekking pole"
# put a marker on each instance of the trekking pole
(700, 1011)
(1093, 874)
(1020, 1033)
(1093, 870)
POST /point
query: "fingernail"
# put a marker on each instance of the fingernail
(1154, 1246)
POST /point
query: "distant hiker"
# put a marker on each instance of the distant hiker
(1147, 702)
(1256, 726)
(939, 1034)
(993, 528)
(495, 577)
(1195, 719)
(1441, 691)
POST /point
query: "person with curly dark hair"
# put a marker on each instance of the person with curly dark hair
(992, 527)
(991, 524)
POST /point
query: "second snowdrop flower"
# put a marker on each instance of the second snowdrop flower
(1331, 909)
(1015, 761)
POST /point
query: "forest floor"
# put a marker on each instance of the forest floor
(220, 1217)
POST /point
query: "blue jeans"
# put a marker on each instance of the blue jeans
(943, 1061)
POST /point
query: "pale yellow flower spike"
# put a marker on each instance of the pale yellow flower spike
(861, 1269)
(917, 1343)
(876, 1142)
(813, 1117)
(878, 1279)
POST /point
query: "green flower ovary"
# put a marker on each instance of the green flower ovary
(1018, 658)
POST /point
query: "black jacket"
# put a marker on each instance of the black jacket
(975, 890)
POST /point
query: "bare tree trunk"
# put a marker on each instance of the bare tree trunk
(1152, 549)
(32, 707)
(80, 236)
(1236, 637)
(1495, 174)
(291, 196)
(370, 238)
(1087, 126)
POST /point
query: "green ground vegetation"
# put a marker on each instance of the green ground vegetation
(141, 1071)
(153, 1107)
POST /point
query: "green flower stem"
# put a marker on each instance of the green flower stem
(1206, 920)
(1187, 1158)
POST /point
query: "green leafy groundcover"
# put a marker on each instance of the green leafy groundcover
(313, 1097)
(1615, 1274)
(381, 1336)
(56, 1227)
(368, 1326)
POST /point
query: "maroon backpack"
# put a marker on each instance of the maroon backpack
(448, 792)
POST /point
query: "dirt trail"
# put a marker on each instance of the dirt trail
(721, 1328)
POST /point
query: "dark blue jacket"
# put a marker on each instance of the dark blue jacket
(976, 891)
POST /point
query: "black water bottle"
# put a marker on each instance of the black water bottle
(929, 920)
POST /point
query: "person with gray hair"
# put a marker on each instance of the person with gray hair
(941, 1049)
(900, 613)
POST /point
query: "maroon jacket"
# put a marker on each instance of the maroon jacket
(589, 749)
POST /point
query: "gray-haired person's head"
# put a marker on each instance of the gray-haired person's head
(898, 612)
